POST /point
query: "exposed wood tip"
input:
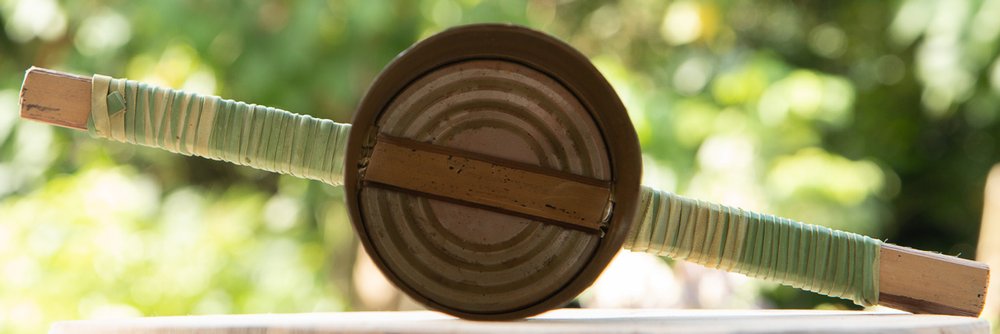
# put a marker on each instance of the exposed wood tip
(925, 282)
(55, 98)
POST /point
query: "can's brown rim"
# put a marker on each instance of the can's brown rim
(540, 52)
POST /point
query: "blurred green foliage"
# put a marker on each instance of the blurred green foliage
(871, 116)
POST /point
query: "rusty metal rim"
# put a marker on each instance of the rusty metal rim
(542, 53)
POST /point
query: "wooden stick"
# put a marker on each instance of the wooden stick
(909, 279)
(494, 184)
(924, 282)
(56, 98)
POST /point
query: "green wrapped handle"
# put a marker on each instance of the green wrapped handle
(814, 258)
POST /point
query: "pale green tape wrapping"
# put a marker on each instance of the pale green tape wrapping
(815, 258)
(208, 126)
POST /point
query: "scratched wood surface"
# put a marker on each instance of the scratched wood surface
(559, 321)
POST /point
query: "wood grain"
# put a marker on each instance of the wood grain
(488, 182)
(925, 282)
(558, 321)
(56, 98)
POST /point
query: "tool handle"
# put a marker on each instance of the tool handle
(191, 124)
(815, 258)
(908, 279)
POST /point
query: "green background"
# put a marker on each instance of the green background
(875, 117)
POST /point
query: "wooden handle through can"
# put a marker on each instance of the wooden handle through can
(911, 280)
